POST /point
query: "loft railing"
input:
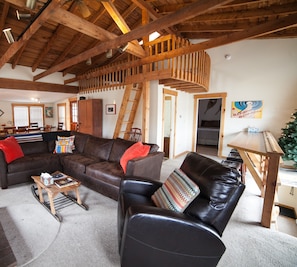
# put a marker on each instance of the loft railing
(192, 67)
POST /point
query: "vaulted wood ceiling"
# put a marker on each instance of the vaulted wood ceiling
(62, 35)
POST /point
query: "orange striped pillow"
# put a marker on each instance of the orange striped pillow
(177, 192)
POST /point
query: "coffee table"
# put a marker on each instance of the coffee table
(52, 191)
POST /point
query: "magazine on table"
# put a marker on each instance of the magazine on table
(62, 182)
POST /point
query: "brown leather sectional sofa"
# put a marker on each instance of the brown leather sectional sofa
(94, 161)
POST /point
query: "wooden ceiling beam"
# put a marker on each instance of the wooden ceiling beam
(187, 12)
(36, 24)
(257, 13)
(285, 33)
(77, 38)
(50, 44)
(123, 26)
(111, 28)
(152, 13)
(81, 25)
(37, 86)
(4, 15)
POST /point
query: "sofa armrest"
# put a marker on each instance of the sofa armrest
(3, 171)
(146, 167)
(139, 186)
(160, 232)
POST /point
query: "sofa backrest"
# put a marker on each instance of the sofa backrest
(220, 190)
(35, 147)
(118, 148)
(98, 147)
(80, 140)
(121, 145)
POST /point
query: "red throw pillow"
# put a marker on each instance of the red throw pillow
(136, 150)
(11, 149)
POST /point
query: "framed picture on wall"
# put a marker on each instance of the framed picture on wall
(49, 113)
(110, 109)
(247, 109)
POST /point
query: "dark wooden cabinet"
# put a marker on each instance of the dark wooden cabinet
(90, 116)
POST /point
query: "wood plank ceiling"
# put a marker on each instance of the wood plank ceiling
(61, 35)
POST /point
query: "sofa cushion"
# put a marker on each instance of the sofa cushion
(78, 162)
(176, 193)
(98, 147)
(47, 161)
(118, 148)
(11, 149)
(108, 172)
(134, 151)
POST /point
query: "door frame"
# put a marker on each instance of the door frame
(222, 119)
(172, 136)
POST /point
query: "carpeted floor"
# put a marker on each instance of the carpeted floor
(89, 238)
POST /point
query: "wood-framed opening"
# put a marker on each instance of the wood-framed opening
(222, 118)
(172, 96)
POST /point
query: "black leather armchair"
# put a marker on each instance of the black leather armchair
(150, 236)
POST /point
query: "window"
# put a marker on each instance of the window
(73, 110)
(24, 114)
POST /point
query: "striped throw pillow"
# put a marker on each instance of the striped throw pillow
(63, 146)
(177, 192)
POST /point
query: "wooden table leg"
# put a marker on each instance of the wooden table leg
(51, 201)
(40, 193)
(78, 196)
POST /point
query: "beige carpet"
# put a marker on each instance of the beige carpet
(89, 238)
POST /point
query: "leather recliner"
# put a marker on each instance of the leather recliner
(149, 236)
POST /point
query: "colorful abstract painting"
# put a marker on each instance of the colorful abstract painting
(247, 109)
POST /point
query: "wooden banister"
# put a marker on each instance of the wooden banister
(261, 154)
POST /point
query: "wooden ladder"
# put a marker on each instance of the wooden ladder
(128, 110)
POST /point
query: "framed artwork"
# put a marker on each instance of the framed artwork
(49, 113)
(247, 109)
(110, 109)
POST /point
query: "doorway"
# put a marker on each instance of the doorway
(209, 116)
(62, 114)
(169, 117)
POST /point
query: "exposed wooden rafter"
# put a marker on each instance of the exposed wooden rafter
(187, 12)
(37, 86)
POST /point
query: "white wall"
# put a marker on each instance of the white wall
(258, 70)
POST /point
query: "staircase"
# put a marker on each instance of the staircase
(128, 110)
